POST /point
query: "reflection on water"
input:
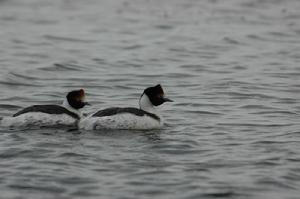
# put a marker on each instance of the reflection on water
(231, 67)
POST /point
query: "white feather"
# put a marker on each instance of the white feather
(119, 121)
(38, 119)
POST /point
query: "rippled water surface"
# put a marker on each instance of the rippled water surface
(232, 68)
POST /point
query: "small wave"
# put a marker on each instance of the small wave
(15, 152)
(255, 124)
(231, 41)
(26, 77)
(239, 67)
(247, 95)
(133, 47)
(256, 106)
(292, 16)
(265, 142)
(203, 112)
(14, 83)
(48, 189)
(220, 194)
(68, 39)
(293, 160)
(194, 67)
(264, 163)
(276, 112)
(280, 34)
(72, 154)
(274, 183)
(284, 75)
(8, 17)
(164, 27)
(185, 104)
(63, 67)
(77, 180)
(9, 106)
(267, 39)
(32, 55)
(44, 21)
(181, 75)
(16, 79)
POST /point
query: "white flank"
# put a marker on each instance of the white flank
(38, 119)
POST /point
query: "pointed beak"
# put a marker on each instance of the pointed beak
(87, 104)
(167, 99)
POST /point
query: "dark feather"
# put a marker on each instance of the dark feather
(50, 109)
(117, 110)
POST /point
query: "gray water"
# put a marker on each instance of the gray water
(232, 68)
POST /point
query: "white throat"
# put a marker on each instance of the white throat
(146, 105)
(70, 108)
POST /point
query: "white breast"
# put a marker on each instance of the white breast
(120, 121)
(38, 119)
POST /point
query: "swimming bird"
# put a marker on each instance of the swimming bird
(67, 114)
(144, 117)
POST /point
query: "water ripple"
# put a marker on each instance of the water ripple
(63, 67)
(67, 39)
(231, 69)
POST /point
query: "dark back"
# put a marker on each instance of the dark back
(117, 110)
(50, 109)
